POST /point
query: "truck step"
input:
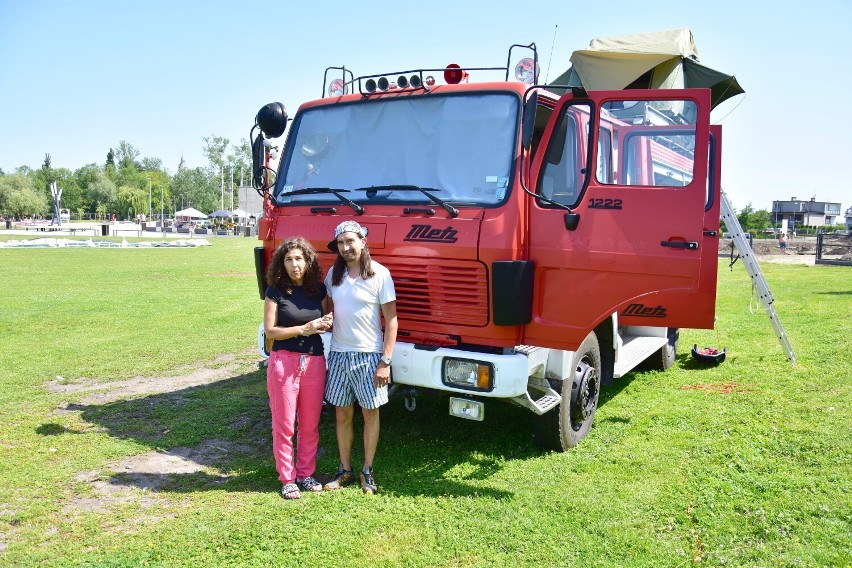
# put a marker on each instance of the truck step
(540, 405)
(548, 399)
(635, 349)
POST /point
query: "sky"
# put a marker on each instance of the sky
(76, 78)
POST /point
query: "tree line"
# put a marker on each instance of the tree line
(126, 184)
(123, 183)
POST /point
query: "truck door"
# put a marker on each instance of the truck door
(633, 167)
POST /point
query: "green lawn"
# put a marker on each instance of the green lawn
(745, 464)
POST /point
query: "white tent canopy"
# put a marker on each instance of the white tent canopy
(654, 60)
(190, 213)
(239, 213)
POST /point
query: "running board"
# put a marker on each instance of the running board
(633, 350)
(536, 367)
(764, 294)
(549, 398)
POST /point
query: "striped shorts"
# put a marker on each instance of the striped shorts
(351, 377)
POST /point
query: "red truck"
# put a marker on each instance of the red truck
(543, 241)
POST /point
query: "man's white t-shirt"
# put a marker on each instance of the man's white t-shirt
(358, 309)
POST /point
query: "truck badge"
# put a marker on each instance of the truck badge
(641, 310)
(428, 234)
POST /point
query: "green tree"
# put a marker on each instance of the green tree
(72, 194)
(109, 167)
(242, 163)
(10, 185)
(197, 188)
(43, 177)
(103, 191)
(19, 197)
(85, 177)
(215, 148)
(751, 220)
(160, 189)
(127, 155)
(151, 164)
(131, 201)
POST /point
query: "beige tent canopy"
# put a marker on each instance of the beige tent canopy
(655, 60)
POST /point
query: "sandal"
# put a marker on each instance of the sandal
(310, 484)
(290, 491)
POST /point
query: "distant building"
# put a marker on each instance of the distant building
(250, 201)
(800, 213)
(849, 221)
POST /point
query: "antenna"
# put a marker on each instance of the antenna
(547, 75)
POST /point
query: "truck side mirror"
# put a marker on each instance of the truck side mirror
(272, 120)
(528, 121)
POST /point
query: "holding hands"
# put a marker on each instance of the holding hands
(319, 325)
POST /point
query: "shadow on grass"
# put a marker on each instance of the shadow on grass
(217, 436)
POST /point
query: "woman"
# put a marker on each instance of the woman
(295, 378)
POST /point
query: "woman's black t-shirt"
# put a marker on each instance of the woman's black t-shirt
(297, 309)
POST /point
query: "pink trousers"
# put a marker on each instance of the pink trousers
(296, 384)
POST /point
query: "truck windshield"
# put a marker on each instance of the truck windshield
(459, 146)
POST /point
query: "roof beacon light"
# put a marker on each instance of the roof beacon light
(454, 74)
(336, 89)
(370, 86)
(526, 70)
(383, 83)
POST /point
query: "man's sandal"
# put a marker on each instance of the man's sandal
(290, 491)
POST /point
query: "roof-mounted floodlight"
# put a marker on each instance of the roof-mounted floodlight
(336, 88)
(526, 71)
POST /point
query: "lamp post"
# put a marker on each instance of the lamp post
(231, 187)
(161, 205)
(150, 214)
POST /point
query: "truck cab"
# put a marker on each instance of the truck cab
(536, 236)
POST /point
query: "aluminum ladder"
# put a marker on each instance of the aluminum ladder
(764, 294)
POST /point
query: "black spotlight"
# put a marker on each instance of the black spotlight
(383, 83)
(370, 86)
(415, 81)
(402, 82)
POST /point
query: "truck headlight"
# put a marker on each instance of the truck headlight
(468, 374)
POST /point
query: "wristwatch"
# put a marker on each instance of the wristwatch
(386, 360)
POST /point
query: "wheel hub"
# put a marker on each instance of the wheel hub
(583, 392)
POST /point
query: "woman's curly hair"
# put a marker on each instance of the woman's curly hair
(276, 274)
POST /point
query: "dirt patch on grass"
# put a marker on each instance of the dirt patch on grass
(766, 250)
(104, 391)
(138, 480)
(716, 388)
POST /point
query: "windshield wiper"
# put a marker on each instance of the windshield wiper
(312, 190)
(437, 200)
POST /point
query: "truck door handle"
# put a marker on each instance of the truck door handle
(691, 245)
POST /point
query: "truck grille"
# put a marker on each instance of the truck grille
(440, 291)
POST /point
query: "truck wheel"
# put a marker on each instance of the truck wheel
(665, 357)
(563, 429)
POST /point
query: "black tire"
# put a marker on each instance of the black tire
(562, 428)
(665, 357)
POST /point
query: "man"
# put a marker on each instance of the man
(360, 291)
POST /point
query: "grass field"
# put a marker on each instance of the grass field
(135, 430)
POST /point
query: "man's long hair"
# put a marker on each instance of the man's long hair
(339, 268)
(276, 274)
